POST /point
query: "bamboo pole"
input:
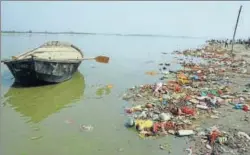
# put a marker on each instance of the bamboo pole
(236, 25)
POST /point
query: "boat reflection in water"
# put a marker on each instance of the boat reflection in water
(37, 103)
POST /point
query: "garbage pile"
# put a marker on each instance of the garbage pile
(171, 107)
(217, 142)
(238, 41)
(177, 106)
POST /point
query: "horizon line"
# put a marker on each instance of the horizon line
(96, 33)
(111, 34)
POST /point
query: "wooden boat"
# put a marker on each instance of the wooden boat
(52, 62)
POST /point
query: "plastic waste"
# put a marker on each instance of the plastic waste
(244, 71)
(214, 116)
(188, 103)
(202, 107)
(152, 73)
(227, 97)
(213, 100)
(158, 86)
(243, 134)
(189, 150)
(195, 77)
(69, 121)
(129, 111)
(165, 98)
(165, 116)
(185, 132)
(238, 106)
(208, 147)
(143, 115)
(137, 108)
(241, 99)
(86, 127)
(213, 136)
(36, 138)
(188, 111)
(155, 117)
(141, 124)
(214, 92)
(194, 101)
(208, 89)
(166, 125)
(182, 78)
(222, 140)
(172, 132)
(245, 108)
(130, 122)
(203, 93)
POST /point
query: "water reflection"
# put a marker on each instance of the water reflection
(37, 103)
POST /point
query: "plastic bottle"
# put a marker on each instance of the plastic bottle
(238, 106)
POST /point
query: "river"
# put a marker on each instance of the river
(46, 120)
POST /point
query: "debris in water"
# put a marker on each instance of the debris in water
(109, 86)
(152, 73)
(86, 127)
(69, 121)
(36, 138)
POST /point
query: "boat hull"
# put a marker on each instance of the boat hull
(36, 72)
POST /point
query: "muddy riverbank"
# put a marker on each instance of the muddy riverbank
(208, 101)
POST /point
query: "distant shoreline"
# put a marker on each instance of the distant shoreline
(89, 33)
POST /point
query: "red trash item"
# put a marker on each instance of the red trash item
(188, 111)
(129, 111)
(210, 95)
(245, 108)
(215, 134)
(200, 75)
(220, 92)
(177, 88)
(156, 127)
(169, 125)
(188, 98)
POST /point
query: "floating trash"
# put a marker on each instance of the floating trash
(36, 137)
(152, 73)
(86, 127)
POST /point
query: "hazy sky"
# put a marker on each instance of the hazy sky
(208, 19)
